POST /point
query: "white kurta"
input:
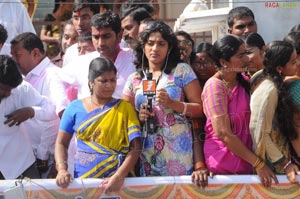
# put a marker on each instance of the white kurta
(45, 79)
(14, 17)
(16, 153)
(76, 72)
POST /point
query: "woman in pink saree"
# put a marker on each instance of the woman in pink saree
(225, 96)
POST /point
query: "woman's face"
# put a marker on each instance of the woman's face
(203, 66)
(185, 47)
(239, 61)
(104, 85)
(255, 56)
(291, 67)
(156, 49)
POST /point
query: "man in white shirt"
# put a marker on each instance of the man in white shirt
(83, 10)
(27, 50)
(14, 17)
(19, 102)
(106, 37)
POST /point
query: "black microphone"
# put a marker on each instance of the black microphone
(149, 90)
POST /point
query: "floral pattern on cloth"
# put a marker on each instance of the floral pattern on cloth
(168, 151)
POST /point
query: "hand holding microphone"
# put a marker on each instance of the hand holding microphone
(149, 90)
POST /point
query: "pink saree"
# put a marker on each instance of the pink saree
(220, 102)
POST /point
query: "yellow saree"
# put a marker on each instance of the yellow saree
(103, 139)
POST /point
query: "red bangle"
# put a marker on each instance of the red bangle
(199, 165)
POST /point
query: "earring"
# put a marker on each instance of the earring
(91, 88)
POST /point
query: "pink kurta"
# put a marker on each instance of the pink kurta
(218, 100)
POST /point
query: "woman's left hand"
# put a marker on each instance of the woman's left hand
(200, 177)
(113, 183)
(162, 97)
(291, 173)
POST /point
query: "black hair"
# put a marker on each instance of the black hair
(294, 39)
(167, 34)
(225, 48)
(188, 37)
(295, 28)
(3, 34)
(278, 53)
(86, 36)
(254, 40)
(9, 72)
(100, 65)
(57, 4)
(29, 41)
(92, 4)
(138, 4)
(138, 14)
(107, 20)
(238, 13)
(204, 47)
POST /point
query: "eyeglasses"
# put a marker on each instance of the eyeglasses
(185, 42)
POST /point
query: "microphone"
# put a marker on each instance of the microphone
(149, 90)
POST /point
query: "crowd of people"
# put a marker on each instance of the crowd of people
(125, 96)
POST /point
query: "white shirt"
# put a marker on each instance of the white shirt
(16, 151)
(76, 73)
(71, 53)
(45, 79)
(14, 17)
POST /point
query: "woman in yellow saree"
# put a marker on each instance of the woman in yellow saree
(107, 132)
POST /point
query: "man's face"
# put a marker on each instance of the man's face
(243, 26)
(106, 41)
(24, 58)
(130, 30)
(85, 47)
(69, 37)
(82, 20)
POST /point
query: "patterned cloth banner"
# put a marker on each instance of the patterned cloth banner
(230, 186)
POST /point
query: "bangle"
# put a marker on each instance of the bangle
(287, 164)
(184, 109)
(61, 170)
(259, 163)
(62, 162)
(199, 165)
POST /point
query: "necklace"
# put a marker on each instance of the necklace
(95, 105)
(228, 84)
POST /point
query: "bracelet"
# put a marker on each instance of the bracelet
(184, 109)
(199, 165)
(287, 164)
(259, 163)
(62, 162)
(60, 171)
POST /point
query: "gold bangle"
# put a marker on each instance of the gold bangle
(259, 163)
(258, 160)
(199, 165)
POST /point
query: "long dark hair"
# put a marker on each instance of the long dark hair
(225, 48)
(278, 53)
(141, 60)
